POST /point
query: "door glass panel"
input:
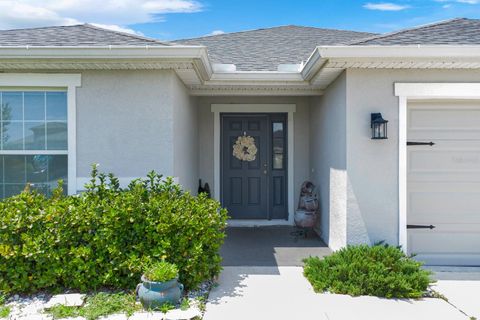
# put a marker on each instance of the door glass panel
(278, 145)
(278, 161)
(278, 130)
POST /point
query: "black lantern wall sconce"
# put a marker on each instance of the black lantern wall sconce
(379, 126)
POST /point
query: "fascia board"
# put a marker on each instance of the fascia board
(414, 51)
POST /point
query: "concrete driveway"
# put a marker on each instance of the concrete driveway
(461, 286)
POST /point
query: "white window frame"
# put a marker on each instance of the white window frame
(420, 91)
(45, 81)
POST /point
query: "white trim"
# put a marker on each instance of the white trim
(72, 138)
(42, 80)
(402, 172)
(45, 80)
(33, 152)
(238, 90)
(415, 91)
(256, 108)
(438, 90)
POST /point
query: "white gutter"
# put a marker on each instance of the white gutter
(195, 54)
(103, 51)
(413, 51)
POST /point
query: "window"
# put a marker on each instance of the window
(33, 140)
(278, 144)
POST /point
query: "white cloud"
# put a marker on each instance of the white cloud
(114, 14)
(469, 1)
(215, 33)
(115, 27)
(385, 6)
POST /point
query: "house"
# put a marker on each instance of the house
(296, 102)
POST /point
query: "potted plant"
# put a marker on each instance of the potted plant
(159, 286)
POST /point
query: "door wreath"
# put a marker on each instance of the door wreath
(244, 148)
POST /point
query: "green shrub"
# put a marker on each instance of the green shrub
(105, 236)
(379, 270)
(161, 272)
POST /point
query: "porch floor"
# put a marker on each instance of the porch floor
(269, 246)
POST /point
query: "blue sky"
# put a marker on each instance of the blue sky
(235, 15)
(176, 19)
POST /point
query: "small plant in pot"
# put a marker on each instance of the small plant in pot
(159, 286)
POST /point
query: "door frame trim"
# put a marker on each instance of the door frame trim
(420, 91)
(217, 109)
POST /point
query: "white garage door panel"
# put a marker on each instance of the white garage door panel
(425, 207)
(427, 242)
(452, 252)
(444, 160)
(444, 182)
(452, 115)
(454, 120)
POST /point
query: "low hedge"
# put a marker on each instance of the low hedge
(380, 270)
(105, 236)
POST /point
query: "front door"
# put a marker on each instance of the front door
(254, 166)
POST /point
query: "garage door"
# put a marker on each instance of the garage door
(444, 182)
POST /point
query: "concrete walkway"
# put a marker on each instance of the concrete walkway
(284, 293)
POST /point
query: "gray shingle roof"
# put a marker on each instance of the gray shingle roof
(265, 49)
(459, 31)
(77, 35)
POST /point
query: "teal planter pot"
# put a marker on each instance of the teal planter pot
(153, 295)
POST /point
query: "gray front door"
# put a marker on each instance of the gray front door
(255, 188)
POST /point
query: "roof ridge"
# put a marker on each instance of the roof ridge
(126, 34)
(385, 35)
(267, 28)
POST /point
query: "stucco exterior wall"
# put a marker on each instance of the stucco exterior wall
(185, 136)
(328, 145)
(301, 135)
(373, 165)
(131, 122)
